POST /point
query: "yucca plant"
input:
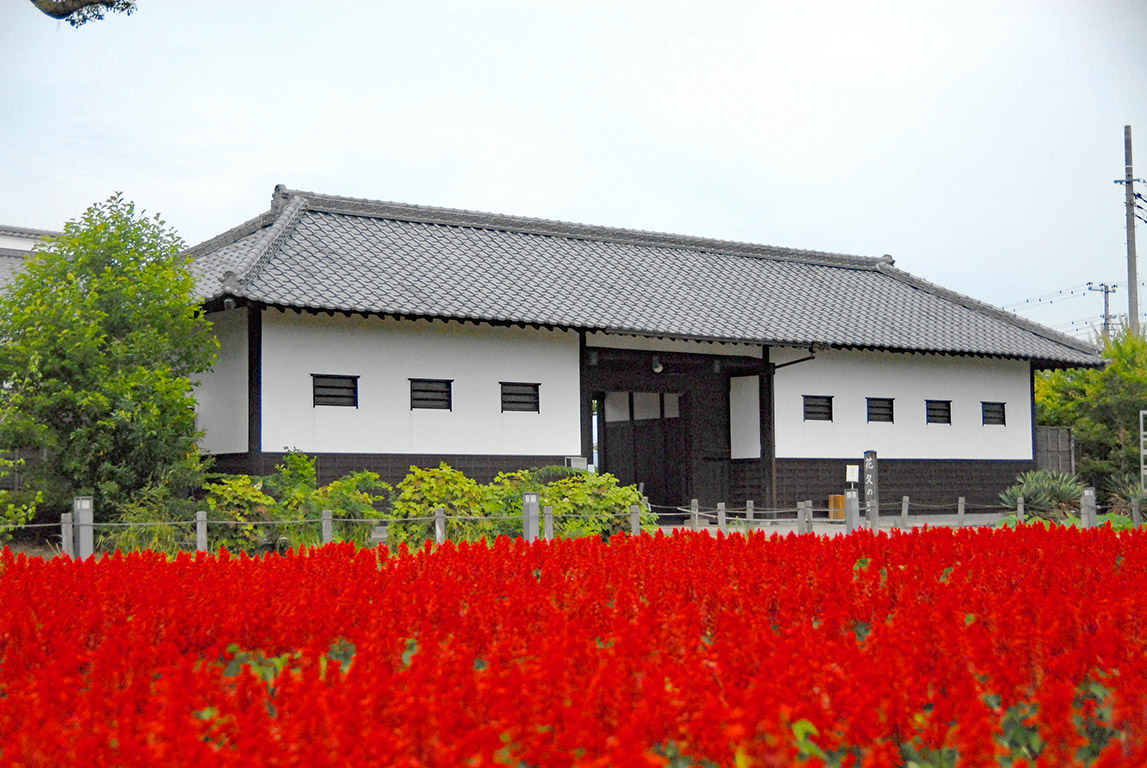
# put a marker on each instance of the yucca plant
(1048, 495)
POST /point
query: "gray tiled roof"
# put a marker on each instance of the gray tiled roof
(330, 253)
(27, 232)
(10, 262)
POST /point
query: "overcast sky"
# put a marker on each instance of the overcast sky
(976, 142)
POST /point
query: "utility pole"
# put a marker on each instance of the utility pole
(1129, 195)
(1107, 291)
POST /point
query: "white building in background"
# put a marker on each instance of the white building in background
(378, 335)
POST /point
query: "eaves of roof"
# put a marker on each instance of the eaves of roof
(26, 232)
(336, 254)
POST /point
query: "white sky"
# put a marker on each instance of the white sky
(976, 142)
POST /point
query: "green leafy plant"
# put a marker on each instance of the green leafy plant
(1123, 490)
(1047, 495)
(16, 509)
(1102, 408)
(236, 504)
(100, 334)
(425, 489)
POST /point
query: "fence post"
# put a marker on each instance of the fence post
(1019, 509)
(903, 512)
(807, 526)
(67, 535)
(328, 527)
(440, 525)
(201, 531)
(530, 516)
(635, 519)
(1136, 515)
(749, 511)
(694, 514)
(851, 509)
(722, 522)
(1087, 508)
(960, 512)
(549, 514)
(83, 514)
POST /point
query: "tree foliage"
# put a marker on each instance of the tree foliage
(1102, 407)
(99, 336)
(78, 12)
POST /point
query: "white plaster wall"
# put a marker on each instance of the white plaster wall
(851, 377)
(386, 354)
(221, 393)
(18, 243)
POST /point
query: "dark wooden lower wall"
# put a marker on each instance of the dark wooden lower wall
(390, 467)
(924, 481)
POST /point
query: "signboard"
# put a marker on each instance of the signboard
(871, 488)
(1142, 450)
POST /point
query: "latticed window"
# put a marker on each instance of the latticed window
(994, 413)
(433, 394)
(818, 408)
(938, 411)
(880, 409)
(520, 396)
(335, 390)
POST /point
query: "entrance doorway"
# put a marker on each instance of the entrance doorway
(642, 438)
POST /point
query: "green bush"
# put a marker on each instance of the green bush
(584, 503)
(1123, 490)
(1047, 495)
(16, 509)
(425, 489)
(236, 504)
(285, 508)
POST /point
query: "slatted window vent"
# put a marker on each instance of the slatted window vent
(818, 408)
(432, 394)
(335, 390)
(994, 413)
(938, 411)
(880, 409)
(520, 396)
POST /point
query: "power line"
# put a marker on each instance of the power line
(1050, 298)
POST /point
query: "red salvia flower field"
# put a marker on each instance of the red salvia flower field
(930, 648)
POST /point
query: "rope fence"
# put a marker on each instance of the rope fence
(77, 529)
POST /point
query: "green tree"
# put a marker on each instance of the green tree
(77, 12)
(99, 336)
(1102, 407)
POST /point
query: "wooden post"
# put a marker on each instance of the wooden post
(635, 519)
(1087, 508)
(1020, 509)
(83, 515)
(328, 527)
(872, 489)
(1136, 514)
(749, 511)
(851, 510)
(549, 515)
(904, 512)
(67, 535)
(440, 525)
(201, 531)
(722, 522)
(694, 515)
(960, 512)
